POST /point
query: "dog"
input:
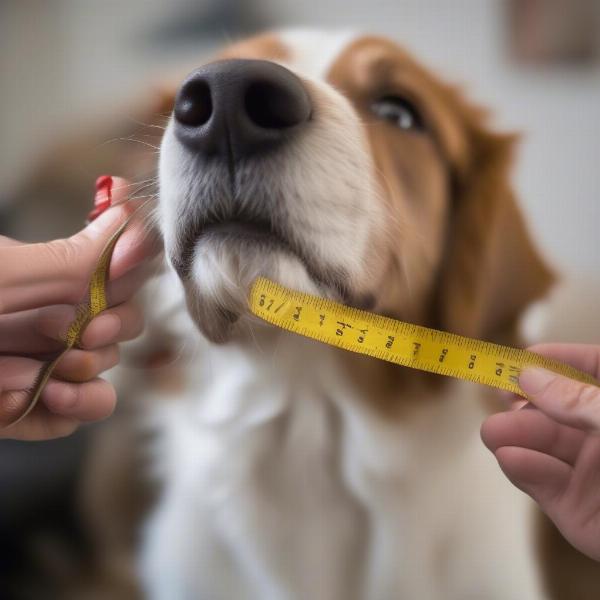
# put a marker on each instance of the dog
(334, 164)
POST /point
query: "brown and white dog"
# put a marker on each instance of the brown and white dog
(337, 165)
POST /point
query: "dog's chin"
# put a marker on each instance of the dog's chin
(225, 264)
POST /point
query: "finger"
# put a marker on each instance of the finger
(41, 331)
(568, 401)
(139, 241)
(83, 365)
(588, 473)
(13, 404)
(17, 376)
(6, 241)
(57, 272)
(36, 331)
(123, 288)
(90, 401)
(120, 324)
(41, 424)
(585, 357)
(543, 477)
(510, 400)
(533, 430)
(17, 373)
(504, 396)
(518, 403)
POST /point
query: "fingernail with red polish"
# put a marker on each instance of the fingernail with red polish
(104, 185)
(103, 197)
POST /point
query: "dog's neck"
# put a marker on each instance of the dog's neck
(260, 371)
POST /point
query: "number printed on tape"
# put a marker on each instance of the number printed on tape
(396, 341)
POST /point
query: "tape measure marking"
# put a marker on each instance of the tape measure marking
(398, 342)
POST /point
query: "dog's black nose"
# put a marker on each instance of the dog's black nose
(238, 107)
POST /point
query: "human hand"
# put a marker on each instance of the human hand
(552, 452)
(39, 286)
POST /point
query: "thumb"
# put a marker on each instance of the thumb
(56, 272)
(138, 241)
(567, 401)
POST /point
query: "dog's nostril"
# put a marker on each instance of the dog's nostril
(273, 106)
(194, 104)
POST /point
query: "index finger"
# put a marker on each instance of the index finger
(585, 357)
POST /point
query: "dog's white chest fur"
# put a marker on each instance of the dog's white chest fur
(281, 484)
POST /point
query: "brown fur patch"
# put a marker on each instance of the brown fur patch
(456, 254)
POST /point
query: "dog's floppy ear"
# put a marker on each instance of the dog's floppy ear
(492, 270)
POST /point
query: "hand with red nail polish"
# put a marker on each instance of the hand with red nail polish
(39, 286)
(552, 452)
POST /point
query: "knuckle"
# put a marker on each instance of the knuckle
(62, 252)
(582, 397)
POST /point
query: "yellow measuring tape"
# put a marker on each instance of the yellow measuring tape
(398, 342)
(344, 327)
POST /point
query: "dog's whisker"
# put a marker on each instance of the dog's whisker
(130, 184)
(147, 125)
(142, 142)
(142, 196)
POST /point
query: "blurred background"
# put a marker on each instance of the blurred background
(74, 72)
(534, 62)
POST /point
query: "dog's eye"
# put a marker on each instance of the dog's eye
(398, 111)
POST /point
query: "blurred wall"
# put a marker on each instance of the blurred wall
(64, 59)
